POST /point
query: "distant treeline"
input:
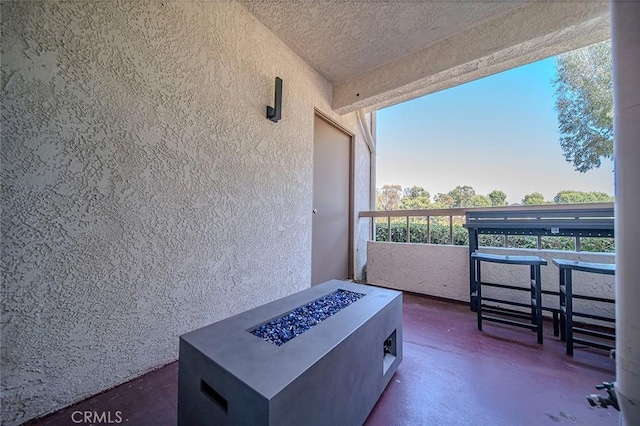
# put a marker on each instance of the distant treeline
(437, 231)
(394, 197)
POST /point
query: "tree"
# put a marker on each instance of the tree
(569, 197)
(415, 192)
(498, 198)
(417, 203)
(584, 101)
(479, 201)
(462, 195)
(601, 197)
(388, 198)
(415, 198)
(444, 201)
(535, 198)
(576, 197)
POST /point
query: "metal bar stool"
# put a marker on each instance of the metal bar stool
(567, 313)
(535, 288)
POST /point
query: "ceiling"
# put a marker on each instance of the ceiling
(343, 39)
(376, 51)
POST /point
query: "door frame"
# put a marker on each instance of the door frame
(324, 117)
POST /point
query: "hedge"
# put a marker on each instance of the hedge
(440, 235)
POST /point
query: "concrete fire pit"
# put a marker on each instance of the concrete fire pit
(321, 356)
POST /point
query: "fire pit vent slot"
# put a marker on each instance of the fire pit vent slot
(213, 395)
(389, 351)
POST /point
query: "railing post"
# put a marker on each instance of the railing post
(428, 229)
(374, 228)
(578, 243)
(408, 233)
(388, 228)
(451, 230)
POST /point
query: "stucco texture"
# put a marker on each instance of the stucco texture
(144, 193)
(443, 271)
(326, 33)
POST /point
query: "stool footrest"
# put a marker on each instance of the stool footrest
(594, 333)
(593, 298)
(593, 344)
(508, 259)
(510, 322)
(506, 302)
(510, 287)
(591, 316)
(506, 312)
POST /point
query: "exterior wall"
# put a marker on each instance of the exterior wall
(440, 270)
(443, 271)
(144, 192)
(365, 173)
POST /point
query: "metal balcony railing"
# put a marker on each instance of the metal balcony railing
(450, 221)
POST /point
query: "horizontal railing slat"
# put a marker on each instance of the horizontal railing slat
(463, 210)
(556, 220)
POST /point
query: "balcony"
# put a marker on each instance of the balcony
(452, 373)
(416, 254)
(145, 194)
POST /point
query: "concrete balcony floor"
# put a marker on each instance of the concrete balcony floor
(452, 374)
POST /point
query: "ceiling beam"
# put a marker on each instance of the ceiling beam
(529, 33)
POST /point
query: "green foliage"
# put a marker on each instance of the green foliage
(415, 198)
(444, 201)
(438, 230)
(584, 102)
(498, 198)
(416, 203)
(439, 234)
(491, 240)
(479, 201)
(465, 196)
(575, 197)
(388, 198)
(462, 195)
(604, 245)
(533, 199)
(568, 197)
(415, 192)
(393, 197)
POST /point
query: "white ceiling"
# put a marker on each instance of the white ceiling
(380, 52)
(343, 39)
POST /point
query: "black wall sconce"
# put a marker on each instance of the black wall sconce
(275, 113)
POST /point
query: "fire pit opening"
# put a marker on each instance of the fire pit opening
(284, 328)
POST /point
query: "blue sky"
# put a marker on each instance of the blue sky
(500, 132)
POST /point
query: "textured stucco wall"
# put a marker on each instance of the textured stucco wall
(144, 193)
(443, 271)
(439, 270)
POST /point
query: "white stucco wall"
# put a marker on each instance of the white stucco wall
(144, 193)
(443, 271)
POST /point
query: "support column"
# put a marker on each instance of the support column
(626, 82)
